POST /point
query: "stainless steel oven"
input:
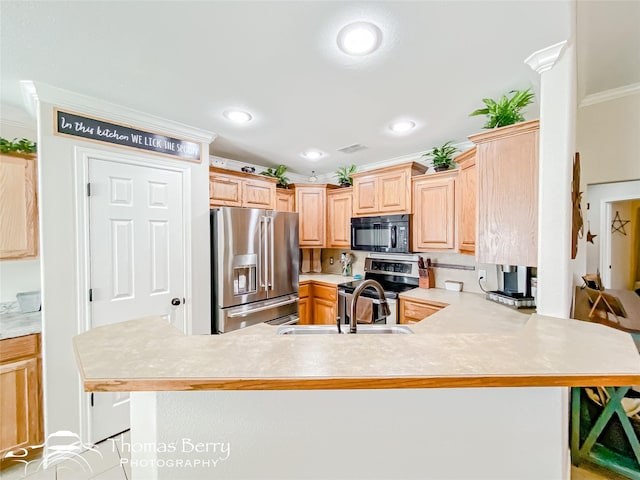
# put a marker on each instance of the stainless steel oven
(386, 233)
(395, 273)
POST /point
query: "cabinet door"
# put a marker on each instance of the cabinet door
(18, 207)
(284, 200)
(413, 312)
(394, 194)
(303, 311)
(324, 311)
(466, 206)
(507, 169)
(339, 211)
(365, 195)
(256, 194)
(19, 405)
(225, 191)
(434, 214)
(311, 205)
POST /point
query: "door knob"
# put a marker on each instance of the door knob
(175, 301)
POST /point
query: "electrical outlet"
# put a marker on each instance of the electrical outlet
(330, 260)
(482, 274)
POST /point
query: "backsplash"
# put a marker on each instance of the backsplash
(468, 277)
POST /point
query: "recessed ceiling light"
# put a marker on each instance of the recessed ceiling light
(312, 154)
(402, 126)
(359, 38)
(237, 116)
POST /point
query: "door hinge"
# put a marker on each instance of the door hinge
(88, 189)
(91, 294)
(92, 399)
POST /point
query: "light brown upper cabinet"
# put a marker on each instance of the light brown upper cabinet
(434, 219)
(384, 191)
(285, 200)
(18, 207)
(238, 189)
(466, 192)
(507, 169)
(339, 211)
(311, 205)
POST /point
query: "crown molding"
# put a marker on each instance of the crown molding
(35, 92)
(545, 58)
(9, 122)
(611, 94)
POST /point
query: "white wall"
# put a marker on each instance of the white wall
(62, 296)
(608, 140)
(17, 275)
(458, 434)
(609, 146)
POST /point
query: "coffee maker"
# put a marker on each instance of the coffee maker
(515, 289)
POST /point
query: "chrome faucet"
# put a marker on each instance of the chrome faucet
(353, 322)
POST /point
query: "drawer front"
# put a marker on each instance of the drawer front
(26, 346)
(325, 292)
(303, 291)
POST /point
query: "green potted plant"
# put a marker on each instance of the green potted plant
(505, 111)
(278, 172)
(344, 175)
(17, 146)
(442, 157)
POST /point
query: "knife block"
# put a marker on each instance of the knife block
(426, 279)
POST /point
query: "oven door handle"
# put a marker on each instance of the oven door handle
(244, 313)
(394, 236)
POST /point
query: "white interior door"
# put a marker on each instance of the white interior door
(137, 260)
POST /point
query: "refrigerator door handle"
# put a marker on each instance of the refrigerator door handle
(244, 313)
(272, 266)
(263, 255)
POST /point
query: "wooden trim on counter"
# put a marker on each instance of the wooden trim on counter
(372, 383)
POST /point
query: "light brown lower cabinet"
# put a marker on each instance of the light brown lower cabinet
(303, 304)
(21, 423)
(324, 304)
(413, 311)
(318, 304)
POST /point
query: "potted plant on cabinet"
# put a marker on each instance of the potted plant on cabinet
(442, 157)
(22, 146)
(505, 111)
(278, 172)
(344, 176)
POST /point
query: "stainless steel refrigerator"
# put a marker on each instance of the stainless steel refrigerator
(254, 268)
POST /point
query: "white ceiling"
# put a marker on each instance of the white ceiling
(279, 60)
(608, 34)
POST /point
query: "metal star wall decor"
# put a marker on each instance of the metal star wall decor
(618, 224)
(590, 236)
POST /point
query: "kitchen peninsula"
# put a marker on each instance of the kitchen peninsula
(360, 406)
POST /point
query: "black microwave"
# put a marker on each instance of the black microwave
(385, 233)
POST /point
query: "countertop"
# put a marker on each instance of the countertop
(19, 324)
(471, 343)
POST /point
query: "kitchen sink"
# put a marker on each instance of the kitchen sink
(332, 329)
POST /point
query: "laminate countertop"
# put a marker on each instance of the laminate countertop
(470, 343)
(18, 324)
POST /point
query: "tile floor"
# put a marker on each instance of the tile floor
(109, 461)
